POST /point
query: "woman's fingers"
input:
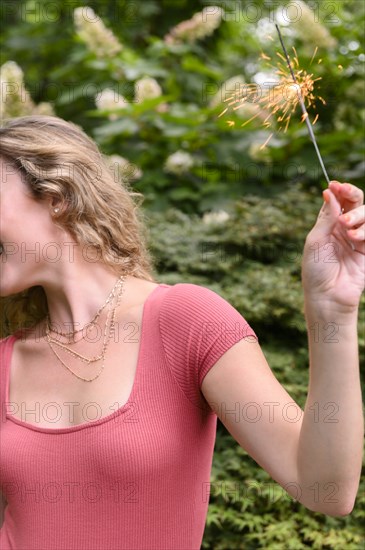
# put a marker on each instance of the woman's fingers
(357, 234)
(348, 194)
(355, 217)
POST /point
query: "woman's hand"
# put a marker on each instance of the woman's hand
(333, 266)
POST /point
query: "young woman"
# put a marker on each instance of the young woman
(110, 396)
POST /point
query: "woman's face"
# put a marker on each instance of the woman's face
(26, 231)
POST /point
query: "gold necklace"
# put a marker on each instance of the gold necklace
(93, 320)
(72, 372)
(105, 342)
(98, 374)
(112, 325)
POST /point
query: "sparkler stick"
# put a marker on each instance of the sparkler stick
(305, 112)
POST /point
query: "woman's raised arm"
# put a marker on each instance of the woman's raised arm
(315, 454)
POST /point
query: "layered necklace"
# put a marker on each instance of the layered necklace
(115, 295)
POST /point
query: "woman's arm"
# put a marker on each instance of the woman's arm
(315, 454)
(331, 436)
(316, 462)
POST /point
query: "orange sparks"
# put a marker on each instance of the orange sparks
(222, 113)
(314, 55)
(278, 101)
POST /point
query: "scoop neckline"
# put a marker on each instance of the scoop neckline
(124, 408)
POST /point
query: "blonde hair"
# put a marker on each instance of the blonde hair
(57, 159)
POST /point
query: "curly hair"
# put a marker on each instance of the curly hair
(56, 159)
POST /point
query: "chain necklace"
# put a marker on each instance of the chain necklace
(75, 354)
(106, 341)
(93, 320)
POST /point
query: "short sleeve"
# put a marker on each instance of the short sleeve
(197, 327)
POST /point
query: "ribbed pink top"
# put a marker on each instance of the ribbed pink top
(139, 477)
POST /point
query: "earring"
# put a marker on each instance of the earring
(56, 210)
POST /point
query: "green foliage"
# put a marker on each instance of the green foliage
(271, 197)
(226, 162)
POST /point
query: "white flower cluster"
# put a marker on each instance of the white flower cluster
(179, 163)
(303, 21)
(15, 100)
(146, 88)
(218, 217)
(121, 167)
(108, 100)
(202, 24)
(91, 30)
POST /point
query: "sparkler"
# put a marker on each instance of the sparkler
(282, 99)
(304, 110)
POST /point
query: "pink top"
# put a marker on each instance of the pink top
(139, 477)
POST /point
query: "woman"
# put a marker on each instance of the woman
(110, 397)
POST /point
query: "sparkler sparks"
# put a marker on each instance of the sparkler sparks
(279, 100)
(304, 110)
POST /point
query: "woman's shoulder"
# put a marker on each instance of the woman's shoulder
(194, 296)
(189, 308)
(185, 288)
